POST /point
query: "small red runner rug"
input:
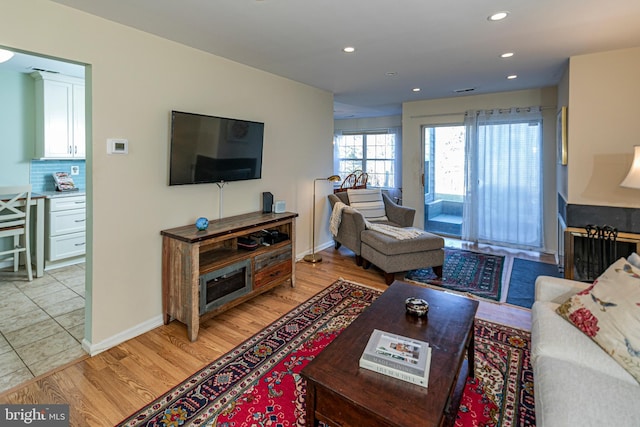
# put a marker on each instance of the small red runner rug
(258, 382)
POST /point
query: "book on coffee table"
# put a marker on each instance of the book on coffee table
(397, 356)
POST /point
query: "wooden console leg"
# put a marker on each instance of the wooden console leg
(437, 270)
(192, 331)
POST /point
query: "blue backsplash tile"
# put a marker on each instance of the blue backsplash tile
(42, 170)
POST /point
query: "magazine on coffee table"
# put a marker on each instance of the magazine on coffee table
(397, 356)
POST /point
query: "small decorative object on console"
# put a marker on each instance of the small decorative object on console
(416, 306)
(246, 243)
(279, 206)
(267, 202)
(202, 223)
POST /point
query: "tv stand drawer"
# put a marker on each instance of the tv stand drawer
(272, 273)
(273, 257)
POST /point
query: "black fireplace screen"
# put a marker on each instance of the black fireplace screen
(596, 250)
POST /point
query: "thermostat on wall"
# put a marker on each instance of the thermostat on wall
(117, 146)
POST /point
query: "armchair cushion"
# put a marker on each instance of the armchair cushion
(369, 202)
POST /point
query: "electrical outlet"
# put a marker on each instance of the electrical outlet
(75, 170)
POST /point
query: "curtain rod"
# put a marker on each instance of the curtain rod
(367, 132)
(461, 113)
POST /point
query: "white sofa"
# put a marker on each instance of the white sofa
(576, 383)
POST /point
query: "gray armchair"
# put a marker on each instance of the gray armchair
(353, 223)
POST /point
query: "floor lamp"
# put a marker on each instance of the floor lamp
(312, 257)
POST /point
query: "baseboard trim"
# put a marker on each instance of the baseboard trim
(119, 338)
(319, 248)
(97, 348)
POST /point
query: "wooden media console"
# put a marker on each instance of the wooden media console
(205, 272)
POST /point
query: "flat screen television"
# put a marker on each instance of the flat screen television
(206, 149)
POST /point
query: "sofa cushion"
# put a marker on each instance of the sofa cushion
(609, 313)
(569, 395)
(368, 202)
(634, 259)
(553, 336)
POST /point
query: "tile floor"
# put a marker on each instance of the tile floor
(41, 322)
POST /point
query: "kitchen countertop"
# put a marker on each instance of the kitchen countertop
(56, 194)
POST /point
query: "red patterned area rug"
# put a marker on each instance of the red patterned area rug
(258, 382)
(465, 271)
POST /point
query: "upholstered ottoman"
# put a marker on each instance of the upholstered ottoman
(393, 255)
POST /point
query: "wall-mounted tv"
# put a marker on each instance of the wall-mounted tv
(206, 149)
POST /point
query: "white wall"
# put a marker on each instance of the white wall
(134, 80)
(451, 111)
(604, 94)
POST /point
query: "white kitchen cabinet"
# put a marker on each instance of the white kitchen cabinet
(66, 225)
(60, 116)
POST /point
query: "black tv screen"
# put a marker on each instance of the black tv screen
(207, 149)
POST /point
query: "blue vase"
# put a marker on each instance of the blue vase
(202, 223)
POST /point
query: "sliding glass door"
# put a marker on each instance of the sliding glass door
(483, 178)
(444, 166)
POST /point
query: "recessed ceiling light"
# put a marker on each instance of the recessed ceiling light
(349, 49)
(499, 16)
(5, 55)
(512, 76)
(391, 73)
(416, 89)
(506, 55)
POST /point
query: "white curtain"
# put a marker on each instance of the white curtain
(397, 170)
(503, 179)
(337, 134)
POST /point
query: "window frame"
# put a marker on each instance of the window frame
(365, 161)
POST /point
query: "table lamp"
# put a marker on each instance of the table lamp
(313, 257)
(632, 180)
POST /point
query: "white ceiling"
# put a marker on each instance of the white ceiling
(27, 63)
(437, 45)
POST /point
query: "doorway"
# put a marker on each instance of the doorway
(42, 322)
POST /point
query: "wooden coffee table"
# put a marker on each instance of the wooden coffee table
(340, 393)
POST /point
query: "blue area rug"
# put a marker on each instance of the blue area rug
(523, 278)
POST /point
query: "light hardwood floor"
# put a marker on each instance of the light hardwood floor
(105, 389)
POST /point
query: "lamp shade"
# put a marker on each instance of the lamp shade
(632, 180)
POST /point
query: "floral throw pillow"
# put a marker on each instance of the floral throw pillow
(609, 313)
